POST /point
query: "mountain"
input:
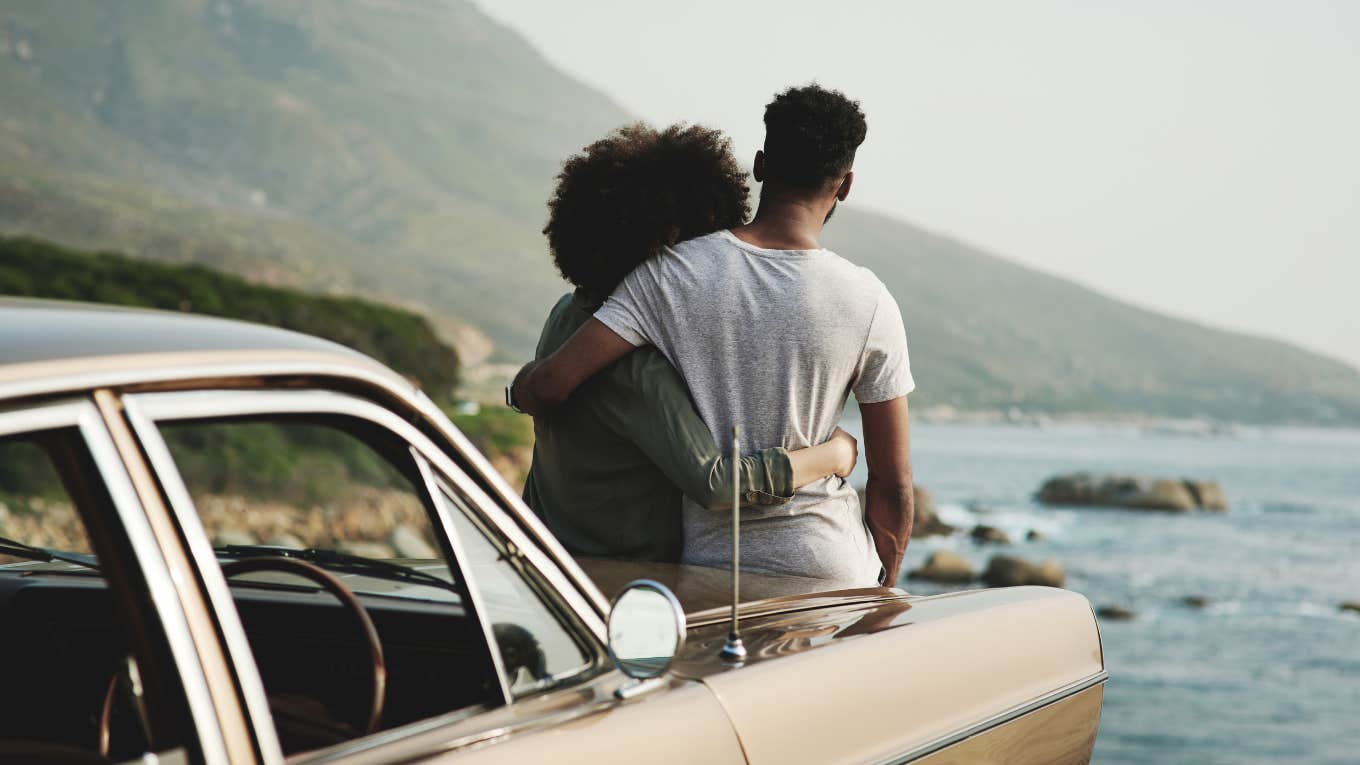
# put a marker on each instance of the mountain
(403, 149)
(397, 148)
(988, 333)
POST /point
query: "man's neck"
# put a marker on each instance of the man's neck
(785, 224)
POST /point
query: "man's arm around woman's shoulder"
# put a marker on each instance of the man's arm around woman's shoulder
(543, 385)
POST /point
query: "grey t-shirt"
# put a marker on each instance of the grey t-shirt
(773, 341)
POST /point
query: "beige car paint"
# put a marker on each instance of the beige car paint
(903, 684)
(231, 719)
(1063, 733)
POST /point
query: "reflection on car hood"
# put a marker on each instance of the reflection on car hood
(706, 593)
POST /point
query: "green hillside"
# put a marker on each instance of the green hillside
(403, 150)
(400, 339)
(399, 149)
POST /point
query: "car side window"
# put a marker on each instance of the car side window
(538, 649)
(344, 495)
(67, 648)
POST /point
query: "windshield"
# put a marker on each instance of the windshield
(333, 491)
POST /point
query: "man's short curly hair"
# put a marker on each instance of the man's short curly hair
(811, 135)
(625, 197)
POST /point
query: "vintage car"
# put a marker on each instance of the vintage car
(229, 543)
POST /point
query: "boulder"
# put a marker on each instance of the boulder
(1049, 573)
(1159, 494)
(1009, 571)
(1208, 495)
(1135, 492)
(945, 566)
(926, 522)
(1195, 601)
(1115, 613)
(989, 535)
(1035, 535)
(408, 543)
(1351, 605)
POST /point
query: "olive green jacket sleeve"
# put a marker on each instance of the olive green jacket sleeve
(659, 416)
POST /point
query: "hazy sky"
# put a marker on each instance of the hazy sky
(1200, 158)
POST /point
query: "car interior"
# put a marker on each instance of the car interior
(80, 681)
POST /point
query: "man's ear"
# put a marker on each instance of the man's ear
(843, 190)
(758, 167)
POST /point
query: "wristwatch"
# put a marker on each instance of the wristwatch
(510, 398)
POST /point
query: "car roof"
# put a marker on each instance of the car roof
(49, 330)
(49, 345)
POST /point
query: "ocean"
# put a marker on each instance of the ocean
(1269, 670)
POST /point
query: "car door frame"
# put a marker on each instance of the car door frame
(145, 410)
(162, 573)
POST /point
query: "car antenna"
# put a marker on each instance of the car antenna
(734, 650)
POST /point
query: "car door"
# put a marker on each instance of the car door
(551, 692)
(98, 659)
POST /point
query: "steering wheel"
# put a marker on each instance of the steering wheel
(325, 580)
(347, 598)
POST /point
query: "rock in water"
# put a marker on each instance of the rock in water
(1140, 493)
(1115, 613)
(926, 522)
(1050, 573)
(1009, 571)
(944, 566)
(989, 535)
(1162, 494)
(1208, 495)
(1035, 535)
(1351, 605)
(1195, 601)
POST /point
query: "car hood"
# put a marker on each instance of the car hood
(705, 593)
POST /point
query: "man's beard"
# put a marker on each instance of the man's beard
(831, 212)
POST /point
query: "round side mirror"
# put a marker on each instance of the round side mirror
(646, 629)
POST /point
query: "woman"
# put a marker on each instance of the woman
(610, 466)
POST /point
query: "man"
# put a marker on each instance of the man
(772, 332)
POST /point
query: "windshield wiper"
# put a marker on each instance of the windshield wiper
(16, 549)
(338, 561)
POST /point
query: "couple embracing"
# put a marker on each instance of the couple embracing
(687, 320)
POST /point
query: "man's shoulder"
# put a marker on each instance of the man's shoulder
(850, 270)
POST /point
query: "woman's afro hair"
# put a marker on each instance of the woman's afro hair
(625, 197)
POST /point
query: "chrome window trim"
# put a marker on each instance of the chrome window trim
(179, 405)
(1001, 718)
(85, 417)
(465, 570)
(594, 655)
(255, 364)
(219, 594)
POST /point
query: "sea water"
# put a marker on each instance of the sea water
(1269, 670)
